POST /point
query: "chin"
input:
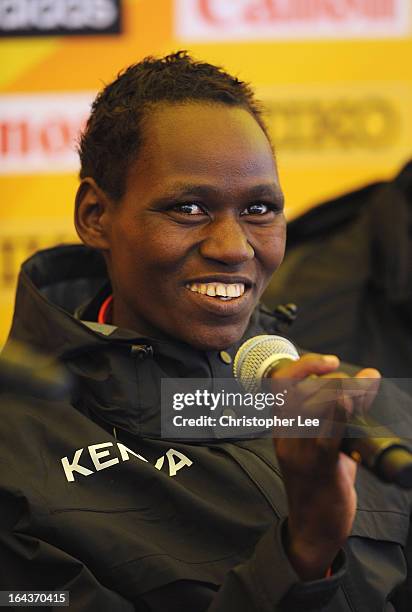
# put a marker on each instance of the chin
(216, 338)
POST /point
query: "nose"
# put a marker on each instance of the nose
(226, 242)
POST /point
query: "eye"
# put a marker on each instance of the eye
(189, 208)
(257, 208)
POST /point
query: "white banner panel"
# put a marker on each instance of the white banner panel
(229, 20)
(39, 132)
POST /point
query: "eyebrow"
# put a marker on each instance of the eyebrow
(257, 191)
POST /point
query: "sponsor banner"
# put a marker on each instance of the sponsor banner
(332, 122)
(59, 17)
(38, 133)
(230, 20)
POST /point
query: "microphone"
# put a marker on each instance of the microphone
(388, 456)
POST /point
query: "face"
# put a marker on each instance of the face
(200, 230)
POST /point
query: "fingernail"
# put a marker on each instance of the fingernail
(331, 360)
(371, 373)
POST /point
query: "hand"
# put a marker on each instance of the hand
(319, 479)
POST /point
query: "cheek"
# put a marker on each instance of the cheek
(149, 261)
(270, 249)
(279, 250)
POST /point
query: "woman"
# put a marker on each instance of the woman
(180, 202)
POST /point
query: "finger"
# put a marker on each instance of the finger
(314, 384)
(349, 467)
(310, 363)
(367, 383)
(350, 392)
(354, 394)
(368, 373)
(334, 420)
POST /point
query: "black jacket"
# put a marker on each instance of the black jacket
(93, 501)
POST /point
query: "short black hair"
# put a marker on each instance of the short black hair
(113, 133)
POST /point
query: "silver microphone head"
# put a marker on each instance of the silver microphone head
(258, 355)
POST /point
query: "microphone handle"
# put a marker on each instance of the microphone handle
(387, 456)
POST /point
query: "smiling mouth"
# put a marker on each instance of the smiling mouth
(222, 291)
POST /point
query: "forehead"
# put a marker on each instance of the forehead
(200, 139)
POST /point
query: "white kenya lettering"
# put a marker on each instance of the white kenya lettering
(173, 466)
(95, 456)
(74, 466)
(176, 460)
(125, 452)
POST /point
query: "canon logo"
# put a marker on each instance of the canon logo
(25, 17)
(253, 19)
(218, 12)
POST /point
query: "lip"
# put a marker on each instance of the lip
(236, 306)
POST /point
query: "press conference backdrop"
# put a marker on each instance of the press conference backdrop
(335, 76)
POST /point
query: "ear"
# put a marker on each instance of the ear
(92, 208)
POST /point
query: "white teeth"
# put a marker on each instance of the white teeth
(221, 290)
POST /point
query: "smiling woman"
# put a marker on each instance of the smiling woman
(202, 209)
(181, 214)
